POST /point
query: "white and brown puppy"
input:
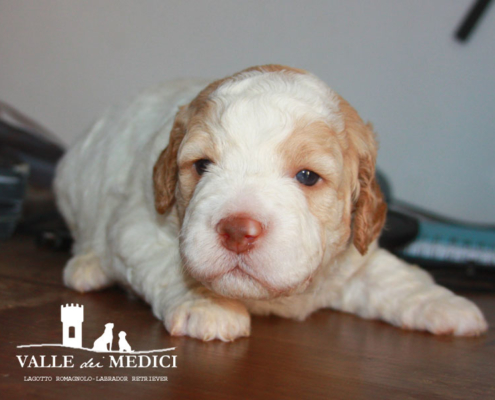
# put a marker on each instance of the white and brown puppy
(253, 194)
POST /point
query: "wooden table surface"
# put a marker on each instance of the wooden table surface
(331, 355)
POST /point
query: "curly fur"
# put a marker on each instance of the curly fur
(143, 217)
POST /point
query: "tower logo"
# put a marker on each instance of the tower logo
(72, 318)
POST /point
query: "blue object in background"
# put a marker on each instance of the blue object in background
(443, 242)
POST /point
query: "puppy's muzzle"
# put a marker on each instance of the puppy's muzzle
(239, 233)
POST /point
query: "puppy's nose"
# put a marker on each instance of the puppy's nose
(238, 234)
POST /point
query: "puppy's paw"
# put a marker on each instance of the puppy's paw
(451, 315)
(83, 273)
(209, 319)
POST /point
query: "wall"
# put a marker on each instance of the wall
(430, 98)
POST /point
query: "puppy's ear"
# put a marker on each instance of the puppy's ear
(165, 170)
(369, 208)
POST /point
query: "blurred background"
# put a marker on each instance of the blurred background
(430, 98)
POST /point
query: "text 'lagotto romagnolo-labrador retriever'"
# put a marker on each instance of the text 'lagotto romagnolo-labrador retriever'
(252, 194)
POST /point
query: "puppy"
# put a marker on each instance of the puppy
(252, 194)
(104, 342)
(124, 346)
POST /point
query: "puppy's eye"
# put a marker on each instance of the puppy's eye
(307, 177)
(201, 166)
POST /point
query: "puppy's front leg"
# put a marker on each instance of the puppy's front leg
(153, 268)
(198, 313)
(189, 309)
(387, 288)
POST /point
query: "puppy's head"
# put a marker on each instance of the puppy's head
(270, 171)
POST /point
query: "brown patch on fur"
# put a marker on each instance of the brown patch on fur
(199, 146)
(199, 103)
(316, 147)
(272, 68)
(166, 170)
(348, 193)
(370, 209)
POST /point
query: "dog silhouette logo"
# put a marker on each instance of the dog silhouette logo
(124, 346)
(104, 342)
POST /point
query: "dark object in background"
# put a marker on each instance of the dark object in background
(471, 20)
(459, 256)
(23, 142)
(55, 239)
(400, 229)
(12, 190)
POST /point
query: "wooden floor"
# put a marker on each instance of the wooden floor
(329, 356)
